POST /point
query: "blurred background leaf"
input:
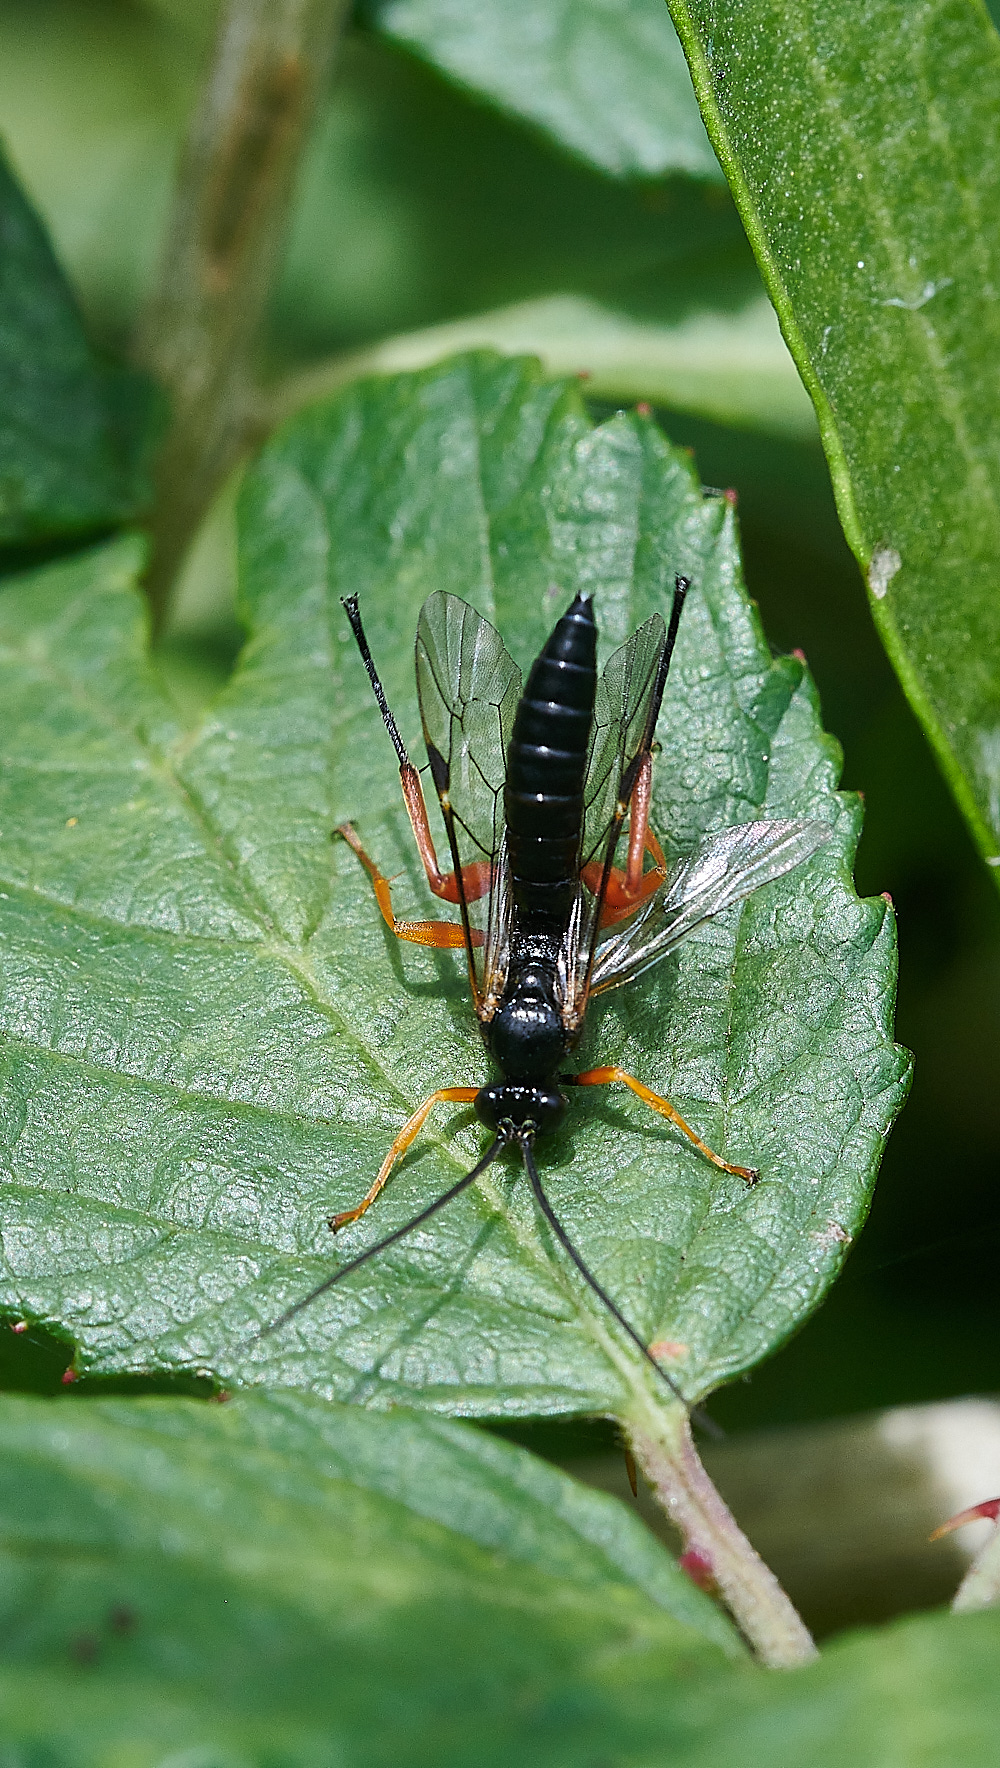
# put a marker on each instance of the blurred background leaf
(864, 152)
(606, 80)
(417, 206)
(293, 1581)
(733, 368)
(290, 1577)
(72, 445)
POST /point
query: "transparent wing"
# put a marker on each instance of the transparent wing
(727, 866)
(468, 687)
(623, 715)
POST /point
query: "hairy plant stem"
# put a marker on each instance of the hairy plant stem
(200, 332)
(715, 1548)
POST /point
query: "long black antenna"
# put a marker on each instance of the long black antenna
(695, 1412)
(631, 774)
(681, 587)
(380, 1245)
(350, 604)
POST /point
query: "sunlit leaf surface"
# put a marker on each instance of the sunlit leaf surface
(210, 1040)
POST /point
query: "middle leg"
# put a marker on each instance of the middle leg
(446, 935)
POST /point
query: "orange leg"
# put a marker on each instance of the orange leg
(443, 934)
(411, 1129)
(602, 1077)
(629, 886)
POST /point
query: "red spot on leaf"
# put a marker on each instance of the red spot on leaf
(668, 1348)
(69, 1376)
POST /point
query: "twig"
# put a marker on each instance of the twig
(716, 1551)
(200, 332)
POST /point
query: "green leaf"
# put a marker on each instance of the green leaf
(920, 1694)
(863, 148)
(729, 366)
(286, 1581)
(392, 231)
(652, 287)
(70, 432)
(607, 81)
(283, 1580)
(211, 1040)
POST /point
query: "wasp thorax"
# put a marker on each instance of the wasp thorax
(526, 1035)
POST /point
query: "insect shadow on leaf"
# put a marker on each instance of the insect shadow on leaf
(537, 787)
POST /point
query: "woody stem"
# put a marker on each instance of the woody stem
(201, 329)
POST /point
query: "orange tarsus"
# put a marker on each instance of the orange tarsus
(602, 1077)
(410, 1129)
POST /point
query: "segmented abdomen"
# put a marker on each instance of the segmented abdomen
(546, 769)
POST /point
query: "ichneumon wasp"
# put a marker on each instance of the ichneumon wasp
(536, 788)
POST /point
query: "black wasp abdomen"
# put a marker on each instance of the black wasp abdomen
(546, 770)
